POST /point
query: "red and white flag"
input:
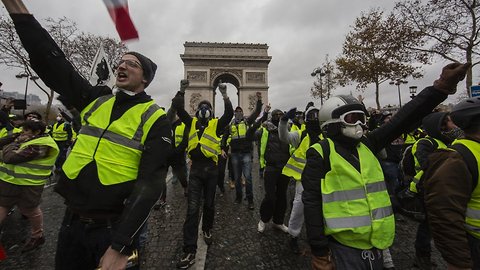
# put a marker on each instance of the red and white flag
(118, 10)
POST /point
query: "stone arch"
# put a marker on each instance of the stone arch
(243, 65)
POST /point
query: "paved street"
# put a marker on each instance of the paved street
(237, 245)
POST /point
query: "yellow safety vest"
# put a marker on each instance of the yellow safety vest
(209, 142)
(179, 130)
(59, 133)
(297, 161)
(238, 131)
(116, 147)
(356, 206)
(34, 172)
(419, 172)
(472, 216)
(4, 132)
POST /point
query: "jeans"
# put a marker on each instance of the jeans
(62, 154)
(242, 163)
(391, 171)
(203, 181)
(296, 217)
(274, 204)
(348, 258)
(81, 245)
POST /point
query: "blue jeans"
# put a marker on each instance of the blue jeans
(242, 163)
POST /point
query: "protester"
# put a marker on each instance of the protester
(452, 192)
(203, 150)
(117, 168)
(62, 134)
(348, 214)
(27, 159)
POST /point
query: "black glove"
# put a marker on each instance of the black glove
(290, 114)
(178, 102)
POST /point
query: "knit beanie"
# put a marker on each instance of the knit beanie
(148, 66)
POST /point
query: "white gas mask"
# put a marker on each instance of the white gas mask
(353, 123)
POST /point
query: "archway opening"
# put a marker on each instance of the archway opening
(233, 86)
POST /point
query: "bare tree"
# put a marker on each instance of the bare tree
(79, 48)
(377, 50)
(450, 29)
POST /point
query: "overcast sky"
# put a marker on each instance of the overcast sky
(299, 35)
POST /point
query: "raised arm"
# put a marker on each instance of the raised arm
(292, 137)
(258, 109)
(228, 111)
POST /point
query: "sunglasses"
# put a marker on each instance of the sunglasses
(129, 63)
(353, 118)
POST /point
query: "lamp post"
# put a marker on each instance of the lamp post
(319, 73)
(25, 75)
(413, 91)
(398, 82)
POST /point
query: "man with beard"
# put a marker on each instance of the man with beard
(348, 214)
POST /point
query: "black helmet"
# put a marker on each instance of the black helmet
(205, 102)
(466, 112)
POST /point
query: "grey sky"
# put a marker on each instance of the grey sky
(299, 34)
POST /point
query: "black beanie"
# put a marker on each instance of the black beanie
(148, 66)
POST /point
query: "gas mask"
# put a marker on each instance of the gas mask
(352, 124)
(238, 115)
(204, 112)
(311, 121)
(59, 118)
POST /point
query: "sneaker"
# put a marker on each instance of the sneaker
(33, 243)
(207, 236)
(293, 243)
(281, 227)
(186, 261)
(261, 227)
(232, 184)
(250, 206)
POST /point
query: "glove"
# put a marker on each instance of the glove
(223, 90)
(183, 85)
(290, 114)
(322, 263)
(178, 102)
(451, 75)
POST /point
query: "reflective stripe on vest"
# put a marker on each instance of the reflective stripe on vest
(59, 133)
(209, 142)
(115, 146)
(238, 130)
(263, 147)
(34, 172)
(356, 206)
(472, 216)
(179, 130)
(297, 161)
(418, 169)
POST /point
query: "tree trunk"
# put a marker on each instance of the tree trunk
(49, 105)
(468, 79)
(377, 94)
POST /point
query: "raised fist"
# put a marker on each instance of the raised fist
(290, 114)
(183, 85)
(451, 75)
(267, 108)
(223, 88)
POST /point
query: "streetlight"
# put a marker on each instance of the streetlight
(413, 91)
(31, 77)
(319, 73)
(397, 82)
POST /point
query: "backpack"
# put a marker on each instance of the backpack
(412, 204)
(407, 164)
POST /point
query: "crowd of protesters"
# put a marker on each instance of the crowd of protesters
(349, 167)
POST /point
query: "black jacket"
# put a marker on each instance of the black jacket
(242, 145)
(316, 168)
(130, 202)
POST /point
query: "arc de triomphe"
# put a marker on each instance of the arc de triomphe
(206, 64)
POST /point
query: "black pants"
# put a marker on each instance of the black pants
(179, 170)
(222, 164)
(202, 181)
(81, 244)
(62, 155)
(275, 202)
